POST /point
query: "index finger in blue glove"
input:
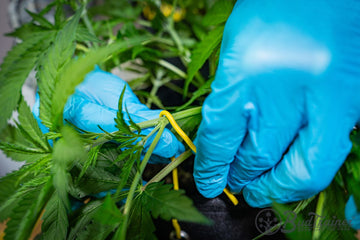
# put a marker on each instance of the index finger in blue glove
(220, 134)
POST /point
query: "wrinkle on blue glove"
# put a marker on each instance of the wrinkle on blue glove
(284, 100)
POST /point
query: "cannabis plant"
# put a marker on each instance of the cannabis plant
(84, 185)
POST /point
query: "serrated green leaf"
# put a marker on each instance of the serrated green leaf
(40, 19)
(119, 120)
(52, 63)
(55, 225)
(16, 145)
(8, 186)
(141, 226)
(14, 184)
(82, 218)
(162, 201)
(30, 125)
(91, 160)
(95, 180)
(83, 225)
(67, 151)
(27, 30)
(15, 68)
(203, 90)
(76, 70)
(83, 35)
(109, 214)
(218, 13)
(129, 156)
(27, 210)
(202, 52)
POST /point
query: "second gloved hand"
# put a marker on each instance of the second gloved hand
(95, 103)
(284, 100)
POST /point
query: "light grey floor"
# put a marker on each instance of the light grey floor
(6, 165)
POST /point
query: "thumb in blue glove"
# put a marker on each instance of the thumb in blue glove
(95, 103)
(284, 100)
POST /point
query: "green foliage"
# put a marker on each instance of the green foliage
(167, 203)
(218, 13)
(109, 214)
(56, 222)
(67, 151)
(140, 224)
(202, 52)
(58, 55)
(16, 66)
(76, 70)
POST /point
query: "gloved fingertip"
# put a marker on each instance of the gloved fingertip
(210, 190)
(351, 214)
(256, 198)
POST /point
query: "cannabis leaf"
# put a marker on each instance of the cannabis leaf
(141, 226)
(202, 51)
(29, 127)
(28, 209)
(162, 201)
(218, 13)
(55, 225)
(39, 18)
(203, 90)
(52, 63)
(76, 70)
(16, 66)
(67, 151)
(109, 214)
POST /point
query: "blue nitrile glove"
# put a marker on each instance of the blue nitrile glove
(352, 214)
(285, 97)
(95, 102)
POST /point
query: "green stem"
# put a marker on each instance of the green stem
(157, 83)
(82, 48)
(136, 181)
(171, 166)
(87, 21)
(152, 123)
(319, 210)
(172, 68)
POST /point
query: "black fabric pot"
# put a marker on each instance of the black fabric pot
(230, 222)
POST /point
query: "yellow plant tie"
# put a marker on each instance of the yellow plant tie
(191, 145)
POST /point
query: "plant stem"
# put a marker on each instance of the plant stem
(136, 180)
(87, 21)
(157, 83)
(319, 210)
(151, 123)
(81, 47)
(171, 166)
(172, 68)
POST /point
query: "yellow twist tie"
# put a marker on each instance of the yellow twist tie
(191, 145)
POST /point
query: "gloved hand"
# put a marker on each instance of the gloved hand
(352, 214)
(95, 102)
(284, 100)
